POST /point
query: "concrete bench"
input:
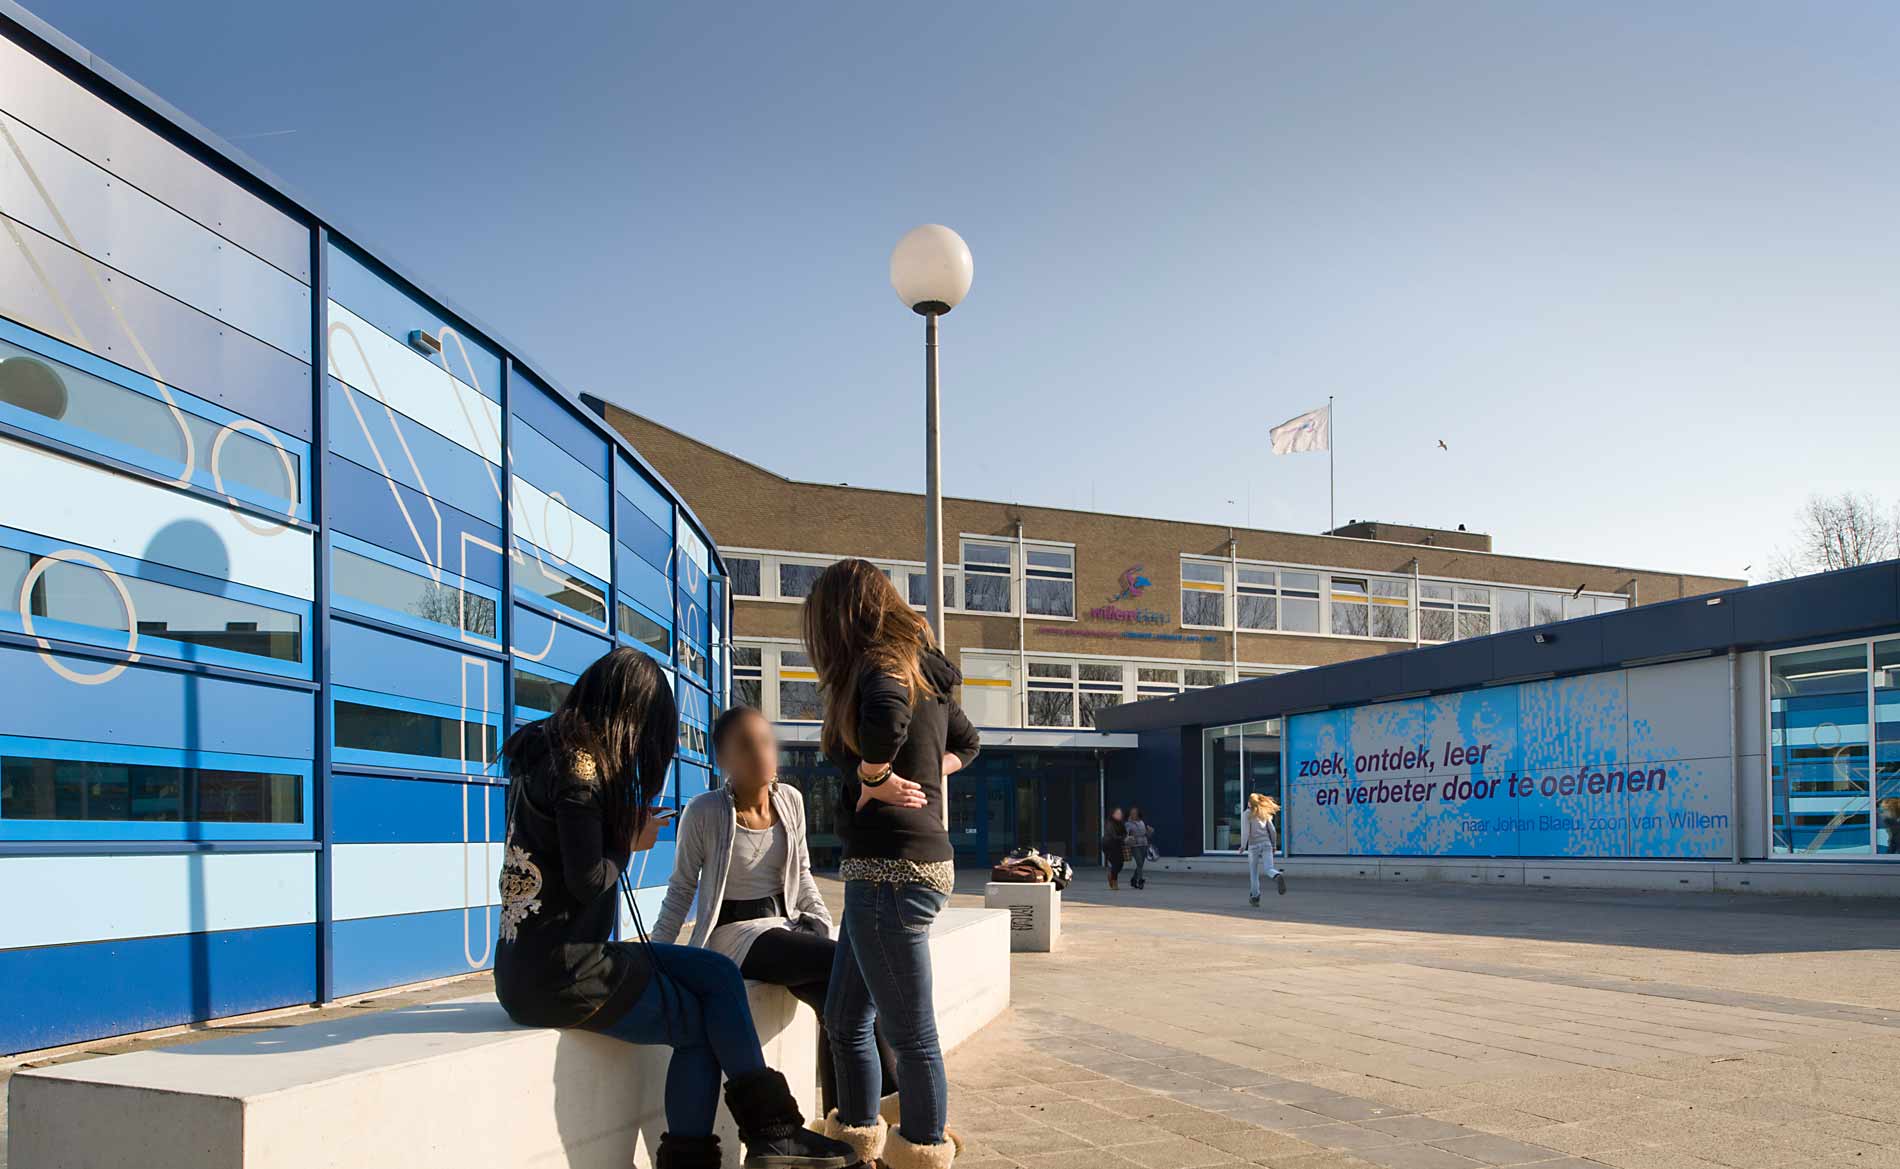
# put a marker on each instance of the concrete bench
(448, 1084)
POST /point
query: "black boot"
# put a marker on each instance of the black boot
(774, 1131)
(678, 1152)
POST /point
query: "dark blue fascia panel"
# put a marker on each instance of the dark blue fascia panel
(1569, 647)
(361, 505)
(1456, 666)
(68, 994)
(1383, 674)
(1669, 629)
(563, 426)
(356, 286)
(1847, 602)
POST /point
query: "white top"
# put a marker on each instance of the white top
(759, 857)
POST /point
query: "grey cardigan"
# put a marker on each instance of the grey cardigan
(703, 856)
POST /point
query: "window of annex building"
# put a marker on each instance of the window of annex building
(1001, 576)
(1256, 597)
(1834, 750)
(1237, 761)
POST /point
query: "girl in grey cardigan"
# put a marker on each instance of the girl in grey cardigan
(742, 854)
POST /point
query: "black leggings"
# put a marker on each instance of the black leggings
(801, 963)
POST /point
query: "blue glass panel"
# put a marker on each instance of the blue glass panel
(539, 408)
(375, 952)
(386, 730)
(552, 469)
(151, 707)
(417, 457)
(541, 640)
(633, 483)
(57, 789)
(646, 585)
(378, 583)
(568, 589)
(647, 539)
(355, 286)
(377, 660)
(368, 809)
(405, 521)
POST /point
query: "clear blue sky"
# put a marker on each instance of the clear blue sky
(1637, 265)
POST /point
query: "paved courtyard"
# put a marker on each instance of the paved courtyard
(1354, 1025)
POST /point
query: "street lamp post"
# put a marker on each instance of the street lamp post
(931, 270)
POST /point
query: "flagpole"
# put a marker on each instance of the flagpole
(1332, 519)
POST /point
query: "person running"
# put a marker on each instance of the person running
(1259, 839)
(892, 726)
(1115, 846)
(581, 783)
(1139, 840)
(743, 852)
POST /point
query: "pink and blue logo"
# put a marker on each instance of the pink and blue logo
(1133, 584)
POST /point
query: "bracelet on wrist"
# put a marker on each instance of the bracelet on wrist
(877, 780)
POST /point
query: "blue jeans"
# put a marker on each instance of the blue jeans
(696, 1005)
(882, 974)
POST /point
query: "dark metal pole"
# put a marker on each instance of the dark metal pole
(933, 480)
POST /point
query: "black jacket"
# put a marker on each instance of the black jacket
(555, 965)
(913, 740)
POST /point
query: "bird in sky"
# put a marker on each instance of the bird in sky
(1442, 446)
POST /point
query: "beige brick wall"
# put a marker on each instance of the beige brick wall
(747, 506)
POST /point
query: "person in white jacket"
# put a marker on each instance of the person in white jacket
(741, 851)
(1259, 839)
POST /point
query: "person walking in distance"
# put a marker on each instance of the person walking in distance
(1115, 846)
(1259, 839)
(893, 727)
(1139, 841)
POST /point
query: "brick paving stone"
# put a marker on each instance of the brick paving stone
(1089, 1158)
(1326, 1160)
(1260, 1145)
(1349, 1108)
(1575, 1140)
(1417, 1157)
(1174, 1152)
(1196, 1123)
(1493, 1149)
(1349, 1137)
(1020, 1143)
(1417, 1128)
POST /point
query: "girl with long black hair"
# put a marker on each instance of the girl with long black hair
(581, 787)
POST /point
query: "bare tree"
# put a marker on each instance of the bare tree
(1838, 531)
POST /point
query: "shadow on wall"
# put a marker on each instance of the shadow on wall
(194, 544)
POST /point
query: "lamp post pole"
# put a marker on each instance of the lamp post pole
(930, 272)
(933, 480)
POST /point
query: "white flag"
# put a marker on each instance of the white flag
(1311, 431)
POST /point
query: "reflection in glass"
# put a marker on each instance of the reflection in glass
(361, 727)
(1237, 761)
(743, 572)
(1203, 608)
(1887, 747)
(795, 580)
(372, 582)
(74, 789)
(82, 595)
(1819, 793)
(643, 628)
(149, 426)
(1256, 611)
(1051, 708)
(985, 592)
(1050, 598)
(1514, 609)
(798, 701)
(540, 692)
(569, 592)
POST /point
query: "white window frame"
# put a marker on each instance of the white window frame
(900, 571)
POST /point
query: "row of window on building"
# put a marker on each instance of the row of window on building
(1216, 594)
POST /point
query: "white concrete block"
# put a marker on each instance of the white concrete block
(450, 1084)
(1035, 913)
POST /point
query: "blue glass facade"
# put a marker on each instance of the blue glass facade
(287, 548)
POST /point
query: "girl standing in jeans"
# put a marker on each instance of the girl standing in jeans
(893, 728)
(580, 788)
(1139, 840)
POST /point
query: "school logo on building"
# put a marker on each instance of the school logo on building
(1133, 584)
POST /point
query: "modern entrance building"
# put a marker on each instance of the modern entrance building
(1747, 739)
(1058, 616)
(287, 546)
